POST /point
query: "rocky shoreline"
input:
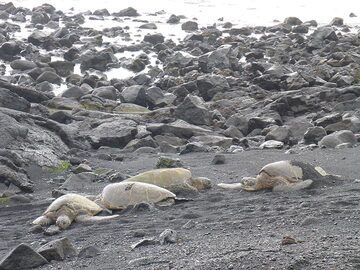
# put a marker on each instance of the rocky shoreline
(291, 88)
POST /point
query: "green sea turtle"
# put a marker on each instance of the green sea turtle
(176, 180)
(282, 175)
(68, 208)
(118, 196)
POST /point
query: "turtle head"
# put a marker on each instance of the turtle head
(200, 183)
(63, 221)
(249, 183)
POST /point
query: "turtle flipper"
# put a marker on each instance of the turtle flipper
(90, 219)
(42, 221)
(293, 187)
(231, 186)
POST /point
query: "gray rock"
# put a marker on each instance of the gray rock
(81, 168)
(85, 182)
(151, 26)
(190, 26)
(89, 252)
(134, 94)
(127, 12)
(337, 21)
(39, 18)
(337, 138)
(16, 178)
(99, 61)
(173, 19)
(39, 38)
(108, 92)
(194, 147)
(9, 49)
(22, 257)
(292, 21)
(58, 250)
(281, 134)
(115, 133)
(75, 92)
(139, 143)
(213, 140)
(209, 85)
(193, 111)
(63, 68)
(168, 162)
(154, 38)
(50, 77)
(272, 145)
(22, 65)
(314, 134)
(154, 97)
(223, 57)
(10, 100)
(233, 132)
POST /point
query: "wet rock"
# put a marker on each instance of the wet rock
(189, 26)
(218, 159)
(39, 18)
(168, 162)
(75, 92)
(10, 100)
(168, 236)
(39, 38)
(154, 38)
(193, 111)
(173, 19)
(338, 138)
(58, 250)
(89, 252)
(108, 92)
(337, 21)
(151, 26)
(9, 50)
(50, 77)
(127, 12)
(99, 61)
(314, 134)
(63, 68)
(22, 257)
(22, 65)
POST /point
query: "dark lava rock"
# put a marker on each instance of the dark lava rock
(281, 134)
(9, 49)
(22, 257)
(50, 77)
(58, 250)
(173, 19)
(63, 68)
(337, 21)
(39, 38)
(127, 12)
(148, 26)
(75, 92)
(190, 26)
(39, 18)
(193, 111)
(22, 65)
(98, 61)
(168, 162)
(314, 134)
(218, 159)
(10, 100)
(154, 38)
(210, 84)
(292, 21)
(108, 92)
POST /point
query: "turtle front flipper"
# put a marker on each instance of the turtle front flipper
(94, 219)
(42, 221)
(293, 186)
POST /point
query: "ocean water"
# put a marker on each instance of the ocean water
(242, 12)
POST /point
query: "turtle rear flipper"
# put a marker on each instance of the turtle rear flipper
(293, 187)
(90, 219)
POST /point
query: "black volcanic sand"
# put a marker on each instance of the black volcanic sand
(224, 229)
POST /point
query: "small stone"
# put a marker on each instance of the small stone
(168, 162)
(89, 252)
(22, 257)
(58, 250)
(168, 237)
(218, 159)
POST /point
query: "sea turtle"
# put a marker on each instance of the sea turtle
(282, 175)
(176, 180)
(118, 196)
(68, 208)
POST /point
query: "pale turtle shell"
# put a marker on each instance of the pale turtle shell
(124, 194)
(283, 168)
(76, 203)
(164, 178)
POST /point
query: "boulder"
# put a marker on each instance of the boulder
(314, 134)
(127, 12)
(58, 250)
(63, 68)
(338, 138)
(212, 140)
(75, 92)
(22, 65)
(208, 85)
(190, 26)
(281, 134)
(193, 111)
(134, 94)
(10, 100)
(22, 257)
(107, 92)
(99, 61)
(50, 77)
(154, 38)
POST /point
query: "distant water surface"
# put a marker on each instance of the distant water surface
(241, 12)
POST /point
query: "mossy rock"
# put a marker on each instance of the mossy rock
(63, 166)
